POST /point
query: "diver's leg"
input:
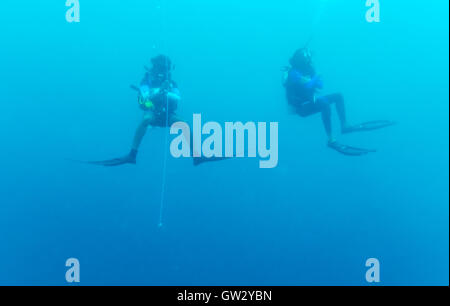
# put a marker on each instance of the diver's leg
(321, 105)
(340, 108)
(130, 158)
(139, 136)
(326, 118)
(337, 99)
(190, 141)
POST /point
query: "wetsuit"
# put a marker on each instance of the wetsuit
(164, 96)
(301, 89)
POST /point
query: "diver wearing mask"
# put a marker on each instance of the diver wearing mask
(158, 97)
(302, 85)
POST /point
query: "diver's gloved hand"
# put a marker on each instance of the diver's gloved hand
(318, 82)
(314, 83)
(160, 93)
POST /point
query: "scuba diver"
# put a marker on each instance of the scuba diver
(158, 97)
(302, 84)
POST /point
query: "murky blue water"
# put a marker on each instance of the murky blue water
(313, 220)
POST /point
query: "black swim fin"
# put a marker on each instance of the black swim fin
(201, 160)
(127, 159)
(369, 126)
(348, 150)
(114, 162)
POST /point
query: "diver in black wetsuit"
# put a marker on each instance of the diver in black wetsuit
(302, 84)
(158, 97)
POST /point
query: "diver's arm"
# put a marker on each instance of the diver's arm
(306, 81)
(174, 95)
(313, 83)
(156, 93)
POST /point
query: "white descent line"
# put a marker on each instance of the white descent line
(166, 142)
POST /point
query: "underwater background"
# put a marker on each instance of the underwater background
(313, 220)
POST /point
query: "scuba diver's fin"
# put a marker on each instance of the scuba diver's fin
(369, 126)
(348, 150)
(108, 163)
(114, 162)
(127, 159)
(201, 160)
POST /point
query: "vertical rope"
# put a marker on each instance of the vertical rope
(316, 21)
(166, 141)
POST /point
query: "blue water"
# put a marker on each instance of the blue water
(313, 220)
